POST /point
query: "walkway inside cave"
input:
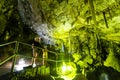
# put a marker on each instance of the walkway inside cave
(15, 63)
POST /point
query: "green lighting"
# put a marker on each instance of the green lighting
(64, 68)
(67, 70)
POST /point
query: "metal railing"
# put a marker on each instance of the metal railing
(15, 54)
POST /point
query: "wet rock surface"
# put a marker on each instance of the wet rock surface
(104, 73)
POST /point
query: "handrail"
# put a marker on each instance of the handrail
(7, 59)
(7, 43)
(38, 47)
(27, 56)
(16, 51)
(27, 45)
(46, 59)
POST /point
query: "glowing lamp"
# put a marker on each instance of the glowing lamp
(67, 70)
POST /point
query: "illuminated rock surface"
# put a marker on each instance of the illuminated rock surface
(88, 29)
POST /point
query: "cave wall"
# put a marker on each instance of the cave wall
(88, 28)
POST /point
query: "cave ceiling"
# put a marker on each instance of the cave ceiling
(64, 18)
(85, 26)
(73, 17)
(90, 28)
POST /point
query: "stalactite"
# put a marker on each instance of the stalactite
(67, 1)
(88, 19)
(105, 19)
(92, 10)
(59, 1)
(85, 1)
(110, 14)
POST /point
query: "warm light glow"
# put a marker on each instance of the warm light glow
(20, 65)
(67, 26)
(67, 70)
(19, 68)
(64, 68)
(61, 32)
(21, 61)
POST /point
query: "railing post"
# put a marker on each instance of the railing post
(14, 58)
(56, 61)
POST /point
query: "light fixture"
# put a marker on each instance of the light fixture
(67, 70)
